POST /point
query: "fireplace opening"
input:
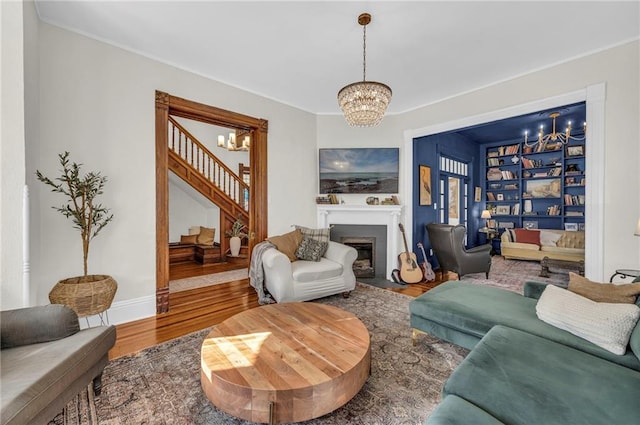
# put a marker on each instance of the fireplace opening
(365, 264)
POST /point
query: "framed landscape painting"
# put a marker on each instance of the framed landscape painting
(359, 170)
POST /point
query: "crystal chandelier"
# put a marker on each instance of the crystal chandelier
(365, 102)
(554, 136)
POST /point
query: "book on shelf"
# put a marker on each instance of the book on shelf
(491, 196)
(512, 149)
(323, 200)
(509, 175)
(511, 186)
(573, 200)
(492, 162)
(574, 214)
(554, 172)
(553, 210)
(333, 199)
(531, 163)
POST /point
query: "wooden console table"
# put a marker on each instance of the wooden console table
(546, 262)
(287, 362)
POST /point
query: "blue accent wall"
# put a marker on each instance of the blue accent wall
(426, 151)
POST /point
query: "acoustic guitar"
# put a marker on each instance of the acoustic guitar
(427, 271)
(409, 270)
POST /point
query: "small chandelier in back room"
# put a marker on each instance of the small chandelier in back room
(554, 136)
(364, 103)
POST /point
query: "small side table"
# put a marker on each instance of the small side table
(491, 234)
(625, 273)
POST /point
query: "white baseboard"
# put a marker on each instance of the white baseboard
(125, 311)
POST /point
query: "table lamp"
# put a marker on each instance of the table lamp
(487, 215)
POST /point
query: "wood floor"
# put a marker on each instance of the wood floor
(201, 308)
(192, 268)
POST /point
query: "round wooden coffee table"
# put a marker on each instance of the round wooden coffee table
(286, 362)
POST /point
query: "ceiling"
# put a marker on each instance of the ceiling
(513, 128)
(302, 52)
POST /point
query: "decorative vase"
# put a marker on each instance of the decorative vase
(234, 245)
(528, 207)
(86, 296)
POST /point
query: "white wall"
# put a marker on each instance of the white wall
(32, 128)
(97, 101)
(617, 67)
(12, 154)
(188, 208)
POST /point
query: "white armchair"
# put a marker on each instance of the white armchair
(304, 280)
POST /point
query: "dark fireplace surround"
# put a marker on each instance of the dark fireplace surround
(371, 243)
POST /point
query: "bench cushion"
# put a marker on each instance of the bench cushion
(521, 378)
(466, 312)
(35, 376)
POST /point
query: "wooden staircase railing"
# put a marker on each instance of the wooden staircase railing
(201, 169)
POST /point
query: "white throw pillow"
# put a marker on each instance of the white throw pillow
(549, 238)
(607, 325)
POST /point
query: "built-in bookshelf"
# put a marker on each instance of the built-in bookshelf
(536, 185)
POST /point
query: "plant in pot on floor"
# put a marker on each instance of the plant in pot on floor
(236, 234)
(87, 294)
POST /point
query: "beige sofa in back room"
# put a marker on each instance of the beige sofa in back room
(553, 243)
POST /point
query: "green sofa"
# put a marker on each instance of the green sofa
(522, 370)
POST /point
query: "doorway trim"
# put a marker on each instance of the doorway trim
(167, 105)
(594, 96)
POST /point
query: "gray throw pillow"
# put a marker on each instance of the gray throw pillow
(320, 235)
(311, 249)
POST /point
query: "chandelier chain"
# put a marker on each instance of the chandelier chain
(364, 53)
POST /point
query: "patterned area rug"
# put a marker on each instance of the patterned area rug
(161, 385)
(206, 280)
(505, 274)
(512, 274)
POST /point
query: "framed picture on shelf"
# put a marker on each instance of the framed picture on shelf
(571, 227)
(581, 227)
(543, 188)
(500, 197)
(575, 150)
(503, 210)
(491, 224)
(425, 185)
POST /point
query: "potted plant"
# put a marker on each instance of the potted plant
(86, 294)
(236, 234)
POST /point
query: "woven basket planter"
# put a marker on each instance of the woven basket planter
(86, 296)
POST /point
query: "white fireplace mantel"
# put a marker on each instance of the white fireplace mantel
(385, 215)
